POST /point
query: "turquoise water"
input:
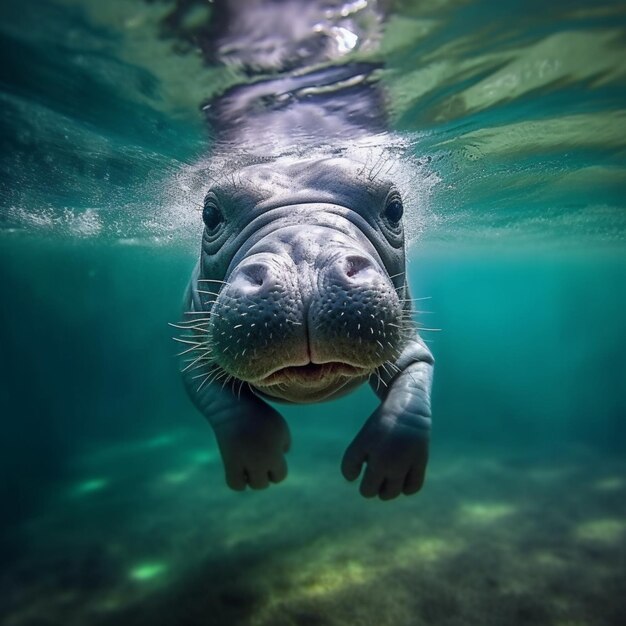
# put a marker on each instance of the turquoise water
(114, 509)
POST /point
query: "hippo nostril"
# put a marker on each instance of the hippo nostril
(251, 275)
(355, 264)
(256, 273)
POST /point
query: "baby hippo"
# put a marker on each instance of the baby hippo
(300, 296)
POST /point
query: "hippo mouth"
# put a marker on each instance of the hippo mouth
(313, 382)
(312, 373)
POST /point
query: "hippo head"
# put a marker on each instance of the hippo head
(302, 277)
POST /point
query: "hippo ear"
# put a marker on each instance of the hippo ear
(212, 216)
(394, 209)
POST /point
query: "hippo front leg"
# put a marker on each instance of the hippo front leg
(394, 440)
(252, 437)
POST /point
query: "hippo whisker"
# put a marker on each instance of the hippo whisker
(211, 377)
(196, 376)
(372, 175)
(200, 328)
(202, 319)
(399, 371)
(192, 343)
(201, 365)
(208, 293)
(184, 352)
(192, 325)
(396, 276)
(386, 370)
(196, 321)
(212, 280)
(415, 299)
(393, 366)
(202, 357)
(192, 349)
(183, 324)
(204, 382)
(241, 384)
(218, 375)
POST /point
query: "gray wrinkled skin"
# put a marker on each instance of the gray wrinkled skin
(300, 296)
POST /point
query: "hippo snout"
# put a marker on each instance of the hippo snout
(356, 314)
(262, 275)
(305, 313)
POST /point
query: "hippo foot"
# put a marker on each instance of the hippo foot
(253, 449)
(396, 455)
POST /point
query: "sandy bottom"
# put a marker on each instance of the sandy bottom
(148, 534)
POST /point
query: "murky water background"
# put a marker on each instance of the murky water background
(113, 509)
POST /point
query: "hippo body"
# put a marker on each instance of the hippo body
(300, 292)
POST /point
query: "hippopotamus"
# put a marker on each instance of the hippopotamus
(300, 293)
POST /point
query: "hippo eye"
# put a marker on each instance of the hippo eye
(394, 209)
(211, 214)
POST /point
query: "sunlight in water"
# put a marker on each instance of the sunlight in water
(335, 579)
(175, 478)
(160, 441)
(90, 486)
(605, 530)
(203, 456)
(147, 571)
(611, 483)
(571, 131)
(549, 560)
(323, 575)
(485, 512)
(425, 549)
(566, 56)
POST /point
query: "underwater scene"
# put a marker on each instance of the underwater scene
(113, 505)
